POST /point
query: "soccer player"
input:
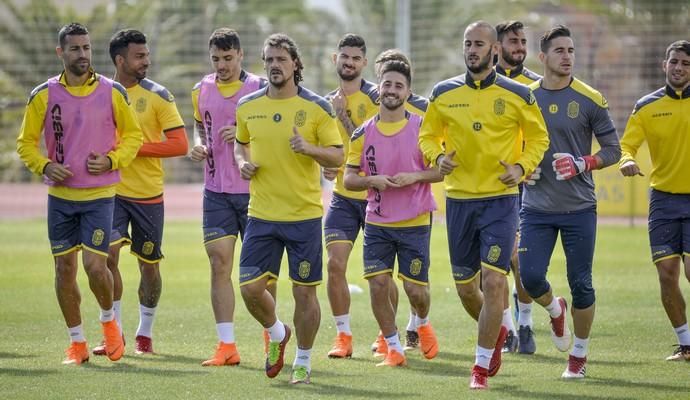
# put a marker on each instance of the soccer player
(415, 104)
(399, 204)
(226, 194)
(562, 198)
(662, 118)
(511, 56)
(139, 195)
(354, 101)
(478, 117)
(90, 132)
(285, 133)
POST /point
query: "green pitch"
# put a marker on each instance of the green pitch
(630, 339)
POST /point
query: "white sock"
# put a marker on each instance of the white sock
(508, 320)
(226, 332)
(579, 347)
(554, 308)
(419, 321)
(277, 331)
(146, 316)
(683, 334)
(117, 307)
(393, 342)
(303, 358)
(482, 356)
(342, 324)
(412, 322)
(525, 317)
(107, 315)
(76, 334)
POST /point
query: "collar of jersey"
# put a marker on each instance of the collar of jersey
(513, 72)
(92, 78)
(672, 93)
(485, 83)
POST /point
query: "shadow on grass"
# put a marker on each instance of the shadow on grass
(126, 368)
(630, 384)
(325, 390)
(26, 372)
(513, 391)
(175, 358)
(6, 355)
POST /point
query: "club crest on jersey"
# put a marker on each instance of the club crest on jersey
(494, 253)
(147, 248)
(477, 126)
(573, 109)
(304, 269)
(361, 111)
(499, 106)
(140, 106)
(277, 117)
(300, 118)
(97, 237)
(415, 267)
(553, 108)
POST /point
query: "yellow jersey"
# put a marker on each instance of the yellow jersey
(287, 185)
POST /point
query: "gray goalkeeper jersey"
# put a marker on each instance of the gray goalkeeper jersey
(573, 115)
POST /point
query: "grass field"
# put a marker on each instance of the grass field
(630, 339)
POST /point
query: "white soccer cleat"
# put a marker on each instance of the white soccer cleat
(560, 333)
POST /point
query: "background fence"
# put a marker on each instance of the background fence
(619, 48)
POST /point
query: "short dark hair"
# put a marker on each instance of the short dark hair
(121, 40)
(353, 40)
(74, 29)
(390, 55)
(283, 41)
(553, 33)
(225, 39)
(397, 66)
(679, 45)
(508, 26)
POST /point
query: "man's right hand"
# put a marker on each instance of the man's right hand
(198, 153)
(381, 182)
(248, 170)
(57, 172)
(446, 165)
(630, 168)
(330, 173)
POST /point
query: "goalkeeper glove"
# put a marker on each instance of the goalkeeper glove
(567, 166)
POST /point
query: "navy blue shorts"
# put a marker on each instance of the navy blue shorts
(411, 246)
(147, 228)
(669, 225)
(481, 233)
(538, 233)
(344, 219)
(225, 215)
(76, 224)
(262, 250)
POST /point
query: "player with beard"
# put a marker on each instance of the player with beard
(90, 132)
(561, 200)
(354, 101)
(226, 194)
(511, 57)
(399, 204)
(285, 133)
(139, 195)
(662, 118)
(470, 130)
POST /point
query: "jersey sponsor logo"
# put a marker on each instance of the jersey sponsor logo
(256, 116)
(97, 237)
(56, 117)
(370, 157)
(499, 106)
(361, 111)
(140, 105)
(662, 114)
(573, 109)
(553, 108)
(477, 126)
(300, 118)
(494, 253)
(277, 117)
(210, 161)
(458, 105)
(147, 248)
(415, 267)
(304, 269)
